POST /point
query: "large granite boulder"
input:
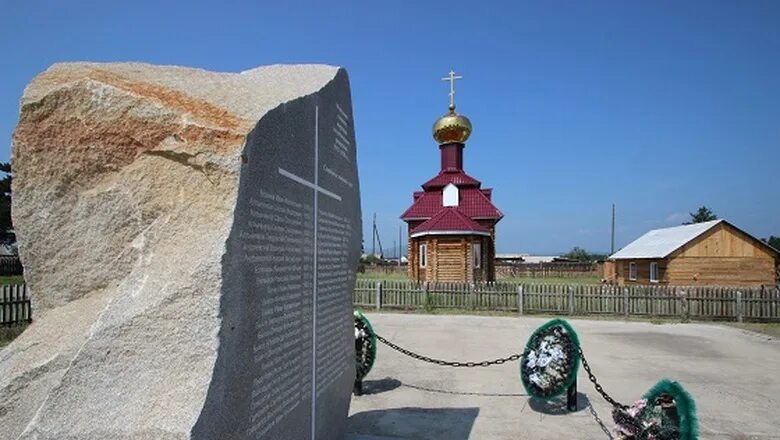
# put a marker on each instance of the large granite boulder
(190, 239)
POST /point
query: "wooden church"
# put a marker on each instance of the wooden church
(452, 221)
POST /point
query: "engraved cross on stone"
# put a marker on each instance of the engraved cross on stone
(315, 185)
(451, 78)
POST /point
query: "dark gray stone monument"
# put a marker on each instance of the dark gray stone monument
(285, 364)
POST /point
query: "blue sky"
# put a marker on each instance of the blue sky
(659, 107)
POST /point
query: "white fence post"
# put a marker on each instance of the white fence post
(571, 300)
(378, 295)
(520, 299)
(739, 307)
(625, 300)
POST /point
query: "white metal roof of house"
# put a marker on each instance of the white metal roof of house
(659, 243)
(540, 258)
(510, 256)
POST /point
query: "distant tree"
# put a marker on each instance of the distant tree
(577, 253)
(772, 241)
(703, 214)
(598, 257)
(371, 259)
(6, 228)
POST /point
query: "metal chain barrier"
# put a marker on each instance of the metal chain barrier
(619, 408)
(420, 357)
(598, 386)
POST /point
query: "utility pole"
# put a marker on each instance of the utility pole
(376, 240)
(612, 246)
(399, 245)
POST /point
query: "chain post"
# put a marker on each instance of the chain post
(571, 397)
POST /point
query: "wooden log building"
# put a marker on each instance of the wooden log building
(452, 221)
(714, 253)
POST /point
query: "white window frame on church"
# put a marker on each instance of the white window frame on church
(423, 255)
(450, 195)
(476, 250)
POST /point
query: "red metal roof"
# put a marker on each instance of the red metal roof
(450, 219)
(472, 202)
(459, 178)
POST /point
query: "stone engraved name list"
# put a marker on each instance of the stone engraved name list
(279, 240)
(285, 367)
(341, 143)
(300, 240)
(334, 275)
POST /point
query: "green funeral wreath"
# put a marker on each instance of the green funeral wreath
(365, 345)
(550, 360)
(666, 412)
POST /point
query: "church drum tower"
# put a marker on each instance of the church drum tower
(452, 221)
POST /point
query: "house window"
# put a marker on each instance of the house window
(476, 250)
(653, 272)
(423, 254)
(632, 271)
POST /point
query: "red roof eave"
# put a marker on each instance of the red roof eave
(459, 178)
(450, 220)
(473, 203)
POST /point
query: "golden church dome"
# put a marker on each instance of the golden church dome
(451, 128)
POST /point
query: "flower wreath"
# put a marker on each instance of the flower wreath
(666, 412)
(550, 360)
(365, 345)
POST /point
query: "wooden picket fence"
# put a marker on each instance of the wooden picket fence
(15, 305)
(10, 265)
(760, 304)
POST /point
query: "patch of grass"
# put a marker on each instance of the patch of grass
(770, 329)
(429, 310)
(422, 310)
(391, 276)
(585, 279)
(402, 276)
(8, 334)
(12, 279)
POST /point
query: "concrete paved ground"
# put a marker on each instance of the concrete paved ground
(733, 375)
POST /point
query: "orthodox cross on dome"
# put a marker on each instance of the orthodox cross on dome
(451, 78)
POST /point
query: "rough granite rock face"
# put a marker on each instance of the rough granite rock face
(131, 204)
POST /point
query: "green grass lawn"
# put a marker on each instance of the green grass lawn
(770, 329)
(396, 276)
(12, 279)
(584, 279)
